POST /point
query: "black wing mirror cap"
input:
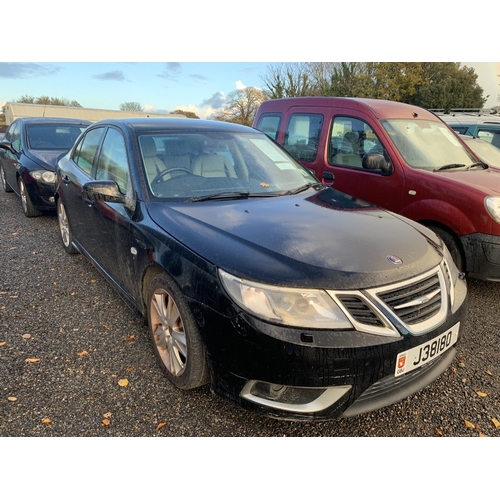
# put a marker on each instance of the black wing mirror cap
(8, 146)
(107, 191)
(377, 161)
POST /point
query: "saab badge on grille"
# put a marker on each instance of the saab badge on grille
(394, 259)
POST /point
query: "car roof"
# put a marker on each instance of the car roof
(189, 124)
(45, 119)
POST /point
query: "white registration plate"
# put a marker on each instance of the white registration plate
(418, 356)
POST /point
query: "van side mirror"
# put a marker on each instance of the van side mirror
(377, 161)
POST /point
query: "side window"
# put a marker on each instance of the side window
(491, 136)
(302, 136)
(269, 123)
(85, 152)
(113, 163)
(14, 136)
(350, 140)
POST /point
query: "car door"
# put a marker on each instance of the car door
(110, 245)
(10, 160)
(350, 139)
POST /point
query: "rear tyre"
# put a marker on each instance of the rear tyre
(5, 184)
(451, 242)
(64, 229)
(28, 208)
(175, 336)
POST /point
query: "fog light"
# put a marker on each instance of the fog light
(290, 398)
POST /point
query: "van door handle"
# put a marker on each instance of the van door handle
(327, 178)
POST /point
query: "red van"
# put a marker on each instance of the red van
(400, 157)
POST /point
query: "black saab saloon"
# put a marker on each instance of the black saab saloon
(288, 297)
(28, 155)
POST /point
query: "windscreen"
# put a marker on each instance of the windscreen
(191, 164)
(427, 144)
(53, 136)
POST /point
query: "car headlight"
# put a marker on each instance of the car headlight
(492, 204)
(44, 175)
(287, 306)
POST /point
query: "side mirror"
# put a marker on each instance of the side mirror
(107, 191)
(377, 161)
(8, 146)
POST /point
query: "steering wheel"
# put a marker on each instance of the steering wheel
(162, 174)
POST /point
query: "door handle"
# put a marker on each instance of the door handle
(65, 179)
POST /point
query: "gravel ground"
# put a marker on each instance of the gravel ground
(67, 341)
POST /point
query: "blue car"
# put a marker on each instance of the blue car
(28, 154)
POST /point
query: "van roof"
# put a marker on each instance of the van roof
(382, 109)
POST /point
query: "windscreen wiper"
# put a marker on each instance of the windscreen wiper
(449, 167)
(303, 188)
(232, 195)
(478, 164)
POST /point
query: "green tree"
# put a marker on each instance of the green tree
(241, 106)
(448, 85)
(132, 107)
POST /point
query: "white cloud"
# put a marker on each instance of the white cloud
(240, 85)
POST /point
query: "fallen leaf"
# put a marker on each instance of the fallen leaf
(131, 337)
(13, 296)
(12, 398)
(73, 293)
(106, 422)
(496, 423)
(481, 394)
(26, 336)
(105, 326)
(2, 343)
(83, 353)
(93, 281)
(123, 382)
(470, 425)
(32, 360)
(107, 415)
(130, 369)
(46, 421)
(462, 361)
(481, 435)
(489, 373)
(438, 432)
(160, 425)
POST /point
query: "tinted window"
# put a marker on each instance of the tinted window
(14, 135)
(113, 163)
(52, 136)
(84, 154)
(302, 136)
(269, 123)
(350, 140)
(490, 135)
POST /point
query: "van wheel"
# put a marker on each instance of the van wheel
(175, 336)
(453, 245)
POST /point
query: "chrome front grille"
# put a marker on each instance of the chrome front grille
(417, 305)
(416, 302)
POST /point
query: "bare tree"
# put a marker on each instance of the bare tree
(131, 107)
(187, 114)
(241, 106)
(288, 80)
(52, 101)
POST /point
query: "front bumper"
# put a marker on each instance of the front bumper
(354, 374)
(42, 194)
(482, 253)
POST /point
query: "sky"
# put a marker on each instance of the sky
(101, 56)
(200, 87)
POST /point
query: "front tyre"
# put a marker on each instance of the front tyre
(64, 229)
(28, 208)
(175, 336)
(3, 179)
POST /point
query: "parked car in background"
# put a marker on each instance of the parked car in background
(400, 157)
(29, 151)
(481, 125)
(287, 296)
(485, 151)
